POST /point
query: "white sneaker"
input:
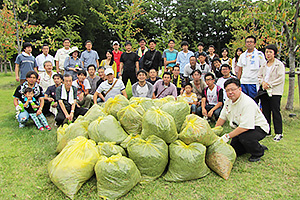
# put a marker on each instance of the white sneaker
(278, 137)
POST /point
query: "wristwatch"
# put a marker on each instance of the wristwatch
(227, 136)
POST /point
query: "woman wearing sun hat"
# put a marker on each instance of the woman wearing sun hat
(73, 63)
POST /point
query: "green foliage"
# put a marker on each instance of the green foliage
(121, 21)
(64, 29)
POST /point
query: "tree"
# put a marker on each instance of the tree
(273, 22)
(21, 12)
(120, 20)
(7, 39)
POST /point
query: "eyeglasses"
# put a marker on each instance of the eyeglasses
(209, 79)
(231, 89)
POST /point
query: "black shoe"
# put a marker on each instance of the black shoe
(254, 158)
(264, 147)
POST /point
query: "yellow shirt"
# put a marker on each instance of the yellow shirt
(106, 66)
(191, 97)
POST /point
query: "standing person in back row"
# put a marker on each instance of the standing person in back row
(170, 56)
(141, 50)
(249, 63)
(61, 56)
(271, 76)
(152, 58)
(183, 57)
(89, 56)
(129, 65)
(45, 56)
(117, 56)
(24, 63)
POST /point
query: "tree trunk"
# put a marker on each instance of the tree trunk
(290, 100)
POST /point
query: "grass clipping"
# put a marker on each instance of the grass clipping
(116, 176)
(220, 157)
(187, 162)
(70, 169)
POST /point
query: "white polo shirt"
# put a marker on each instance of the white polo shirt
(117, 89)
(245, 113)
(61, 56)
(40, 59)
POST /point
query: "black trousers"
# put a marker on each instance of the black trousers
(46, 108)
(247, 142)
(60, 117)
(272, 105)
(129, 75)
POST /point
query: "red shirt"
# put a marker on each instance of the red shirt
(117, 57)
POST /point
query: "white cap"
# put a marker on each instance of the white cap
(109, 71)
(116, 42)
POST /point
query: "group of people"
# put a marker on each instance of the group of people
(218, 88)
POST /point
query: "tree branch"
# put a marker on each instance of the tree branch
(296, 17)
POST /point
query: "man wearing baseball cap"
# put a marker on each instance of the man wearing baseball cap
(109, 88)
(117, 55)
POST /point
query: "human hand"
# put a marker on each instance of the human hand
(210, 113)
(204, 112)
(265, 85)
(17, 78)
(50, 99)
(225, 138)
(71, 116)
(159, 72)
(81, 96)
(54, 105)
(38, 112)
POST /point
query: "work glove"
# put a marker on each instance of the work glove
(225, 138)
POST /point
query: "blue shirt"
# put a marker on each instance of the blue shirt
(26, 63)
(70, 62)
(89, 57)
(170, 55)
(183, 59)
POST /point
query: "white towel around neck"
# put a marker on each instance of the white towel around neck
(65, 96)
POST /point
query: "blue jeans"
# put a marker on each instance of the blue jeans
(208, 108)
(193, 108)
(250, 90)
(23, 117)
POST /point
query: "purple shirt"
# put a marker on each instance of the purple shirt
(159, 87)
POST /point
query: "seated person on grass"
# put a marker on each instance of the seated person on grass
(83, 86)
(22, 115)
(31, 105)
(50, 94)
(153, 76)
(109, 88)
(178, 80)
(212, 100)
(142, 88)
(164, 87)
(66, 95)
(190, 97)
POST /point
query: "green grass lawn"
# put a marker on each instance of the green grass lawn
(25, 153)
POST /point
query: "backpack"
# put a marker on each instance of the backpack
(218, 89)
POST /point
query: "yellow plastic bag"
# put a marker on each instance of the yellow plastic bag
(94, 112)
(159, 123)
(146, 103)
(113, 105)
(72, 131)
(116, 176)
(70, 169)
(178, 110)
(61, 131)
(130, 139)
(131, 117)
(106, 129)
(187, 162)
(110, 148)
(218, 130)
(150, 156)
(196, 129)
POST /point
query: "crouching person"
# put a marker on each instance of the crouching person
(250, 125)
(19, 96)
(66, 95)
